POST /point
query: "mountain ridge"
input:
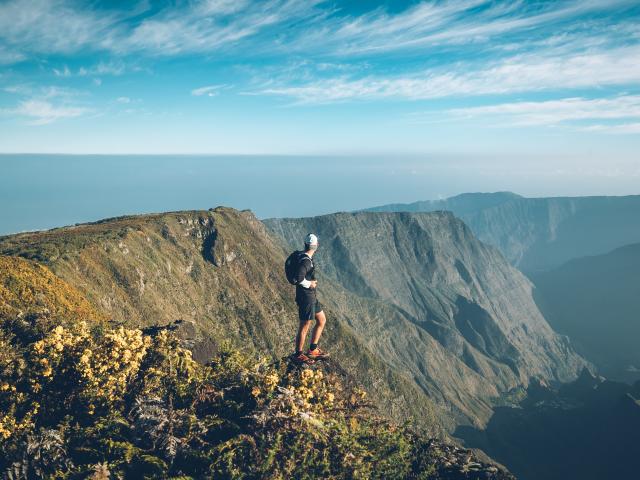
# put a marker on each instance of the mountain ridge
(220, 273)
(540, 233)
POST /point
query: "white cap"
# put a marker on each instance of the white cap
(311, 239)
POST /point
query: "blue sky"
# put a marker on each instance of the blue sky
(555, 82)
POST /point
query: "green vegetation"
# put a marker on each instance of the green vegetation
(81, 399)
(79, 402)
(92, 386)
(220, 272)
(29, 290)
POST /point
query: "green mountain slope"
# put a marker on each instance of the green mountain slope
(596, 301)
(80, 398)
(537, 234)
(220, 273)
(433, 301)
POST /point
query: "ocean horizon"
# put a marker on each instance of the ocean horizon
(43, 191)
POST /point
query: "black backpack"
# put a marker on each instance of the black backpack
(291, 266)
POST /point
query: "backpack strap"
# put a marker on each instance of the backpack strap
(303, 255)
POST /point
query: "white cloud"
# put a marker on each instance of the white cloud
(8, 57)
(64, 72)
(18, 89)
(123, 100)
(221, 7)
(210, 90)
(63, 93)
(208, 26)
(552, 112)
(429, 24)
(44, 91)
(611, 115)
(45, 104)
(103, 68)
(52, 26)
(521, 73)
(63, 26)
(42, 112)
(622, 128)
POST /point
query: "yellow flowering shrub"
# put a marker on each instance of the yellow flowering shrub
(139, 406)
(102, 367)
(312, 394)
(169, 365)
(10, 425)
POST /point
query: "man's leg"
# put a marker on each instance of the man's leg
(317, 330)
(303, 329)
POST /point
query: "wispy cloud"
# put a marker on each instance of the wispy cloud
(62, 72)
(622, 128)
(311, 52)
(44, 91)
(210, 90)
(62, 26)
(553, 112)
(103, 68)
(41, 105)
(8, 56)
(41, 112)
(53, 26)
(59, 26)
(523, 73)
(207, 26)
(428, 25)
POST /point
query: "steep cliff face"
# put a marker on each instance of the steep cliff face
(537, 234)
(220, 272)
(435, 302)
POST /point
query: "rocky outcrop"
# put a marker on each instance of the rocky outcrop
(455, 463)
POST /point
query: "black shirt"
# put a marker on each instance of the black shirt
(306, 271)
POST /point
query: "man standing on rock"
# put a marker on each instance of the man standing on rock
(308, 306)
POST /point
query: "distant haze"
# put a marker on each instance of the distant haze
(46, 191)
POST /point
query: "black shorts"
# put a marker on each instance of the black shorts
(307, 308)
